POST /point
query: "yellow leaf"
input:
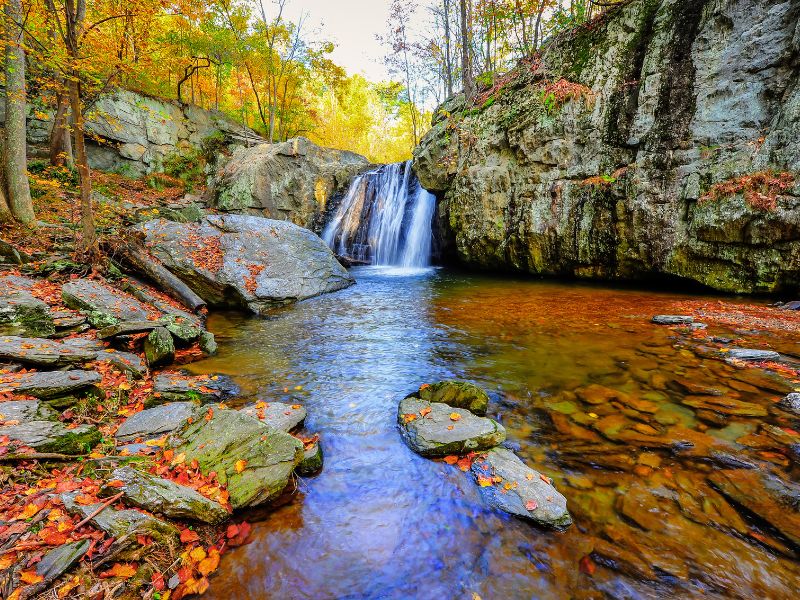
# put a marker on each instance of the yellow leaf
(240, 465)
(593, 415)
(197, 554)
(179, 460)
(455, 417)
(484, 481)
(30, 577)
(64, 591)
(29, 510)
(159, 443)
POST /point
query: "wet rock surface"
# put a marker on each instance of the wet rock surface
(509, 485)
(163, 496)
(435, 429)
(155, 422)
(458, 394)
(248, 262)
(174, 387)
(218, 443)
(50, 384)
(104, 305)
(283, 417)
(45, 353)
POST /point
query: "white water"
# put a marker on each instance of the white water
(384, 219)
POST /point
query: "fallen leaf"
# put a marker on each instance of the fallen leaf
(425, 411)
(455, 417)
(586, 565)
(209, 564)
(188, 536)
(545, 478)
(197, 554)
(451, 460)
(70, 585)
(124, 571)
(240, 465)
(30, 577)
(531, 505)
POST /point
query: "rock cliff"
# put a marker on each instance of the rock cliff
(658, 142)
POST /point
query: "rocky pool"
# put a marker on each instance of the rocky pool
(664, 451)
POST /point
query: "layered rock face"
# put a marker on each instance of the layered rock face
(593, 161)
(291, 181)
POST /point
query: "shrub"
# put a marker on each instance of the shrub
(760, 189)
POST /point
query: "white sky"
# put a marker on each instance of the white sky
(351, 25)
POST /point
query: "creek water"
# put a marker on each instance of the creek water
(382, 522)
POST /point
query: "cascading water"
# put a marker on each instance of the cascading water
(384, 219)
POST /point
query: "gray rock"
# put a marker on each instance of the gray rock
(44, 353)
(792, 305)
(53, 436)
(270, 456)
(437, 434)
(165, 497)
(752, 355)
(673, 320)
(292, 180)
(129, 327)
(207, 343)
(283, 417)
(159, 348)
(458, 394)
(50, 384)
(127, 362)
(155, 422)
(117, 523)
(791, 403)
(529, 495)
(60, 560)
(22, 310)
(26, 410)
(174, 387)
(312, 461)
(105, 306)
(247, 261)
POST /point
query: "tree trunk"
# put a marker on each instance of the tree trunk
(466, 58)
(88, 242)
(16, 162)
(448, 59)
(60, 143)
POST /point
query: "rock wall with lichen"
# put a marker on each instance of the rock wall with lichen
(600, 158)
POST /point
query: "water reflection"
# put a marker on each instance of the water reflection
(381, 522)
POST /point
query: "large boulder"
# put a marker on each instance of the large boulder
(104, 305)
(458, 394)
(597, 159)
(155, 422)
(509, 485)
(45, 353)
(33, 424)
(241, 261)
(435, 429)
(254, 461)
(280, 416)
(292, 181)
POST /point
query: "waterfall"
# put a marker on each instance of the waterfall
(384, 219)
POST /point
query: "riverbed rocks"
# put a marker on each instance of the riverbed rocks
(45, 353)
(254, 461)
(673, 320)
(175, 387)
(163, 496)
(508, 484)
(238, 261)
(159, 349)
(105, 306)
(280, 416)
(434, 429)
(293, 181)
(750, 355)
(20, 311)
(791, 403)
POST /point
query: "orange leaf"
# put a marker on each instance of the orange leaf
(29, 510)
(209, 564)
(116, 483)
(125, 571)
(240, 465)
(451, 460)
(30, 577)
(587, 566)
(409, 417)
(188, 536)
(455, 417)
(425, 411)
(545, 478)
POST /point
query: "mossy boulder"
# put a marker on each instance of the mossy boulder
(159, 348)
(458, 394)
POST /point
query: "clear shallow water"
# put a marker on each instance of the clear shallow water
(381, 522)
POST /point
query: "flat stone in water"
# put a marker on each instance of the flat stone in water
(748, 354)
(270, 456)
(155, 422)
(458, 394)
(312, 461)
(117, 523)
(50, 384)
(44, 353)
(673, 320)
(725, 405)
(520, 491)
(283, 417)
(436, 433)
(174, 387)
(158, 495)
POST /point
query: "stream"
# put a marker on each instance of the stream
(382, 522)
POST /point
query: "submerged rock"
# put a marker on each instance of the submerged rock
(50, 384)
(247, 261)
(458, 394)
(155, 422)
(283, 417)
(435, 429)
(509, 485)
(673, 320)
(254, 461)
(174, 387)
(158, 495)
(750, 355)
